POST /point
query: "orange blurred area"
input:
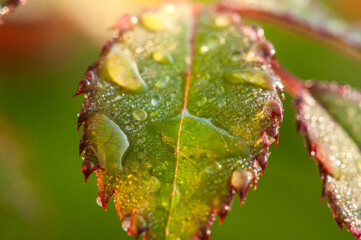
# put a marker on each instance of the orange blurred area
(348, 9)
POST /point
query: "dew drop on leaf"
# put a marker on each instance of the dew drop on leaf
(140, 114)
(162, 82)
(153, 22)
(153, 184)
(120, 67)
(106, 142)
(162, 57)
(255, 33)
(261, 51)
(156, 100)
(222, 20)
(258, 78)
(219, 144)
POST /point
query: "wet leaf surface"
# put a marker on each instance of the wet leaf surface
(180, 110)
(329, 115)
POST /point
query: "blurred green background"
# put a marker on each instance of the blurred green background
(45, 48)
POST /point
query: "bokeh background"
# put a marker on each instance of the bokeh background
(45, 48)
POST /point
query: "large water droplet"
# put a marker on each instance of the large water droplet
(202, 101)
(153, 184)
(255, 33)
(213, 167)
(258, 78)
(261, 51)
(140, 114)
(203, 49)
(222, 20)
(153, 21)
(99, 131)
(120, 67)
(125, 22)
(162, 57)
(241, 181)
(199, 138)
(134, 224)
(162, 83)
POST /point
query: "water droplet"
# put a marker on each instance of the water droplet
(200, 85)
(162, 83)
(120, 67)
(213, 167)
(98, 130)
(221, 103)
(140, 114)
(162, 57)
(204, 49)
(153, 21)
(170, 8)
(156, 100)
(99, 201)
(219, 143)
(254, 77)
(83, 87)
(211, 100)
(126, 222)
(125, 22)
(153, 184)
(154, 114)
(202, 101)
(241, 181)
(255, 33)
(134, 224)
(222, 20)
(88, 167)
(261, 51)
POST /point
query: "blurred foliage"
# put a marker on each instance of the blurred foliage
(38, 122)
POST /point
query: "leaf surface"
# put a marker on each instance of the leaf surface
(330, 115)
(180, 110)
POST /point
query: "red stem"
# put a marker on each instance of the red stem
(293, 85)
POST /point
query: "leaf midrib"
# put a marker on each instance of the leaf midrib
(192, 39)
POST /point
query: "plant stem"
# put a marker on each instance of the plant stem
(293, 85)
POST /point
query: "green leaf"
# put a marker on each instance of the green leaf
(180, 110)
(330, 116)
